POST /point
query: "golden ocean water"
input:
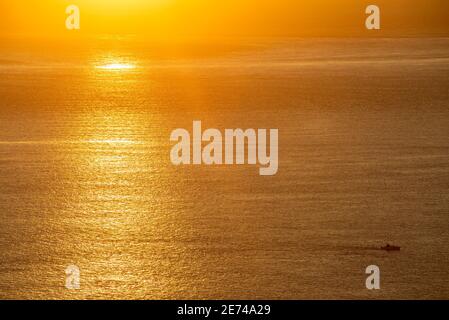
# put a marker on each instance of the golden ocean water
(86, 177)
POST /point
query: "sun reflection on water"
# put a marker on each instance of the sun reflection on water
(111, 141)
(116, 66)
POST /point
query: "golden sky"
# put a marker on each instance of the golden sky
(204, 18)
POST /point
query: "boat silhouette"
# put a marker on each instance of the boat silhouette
(389, 247)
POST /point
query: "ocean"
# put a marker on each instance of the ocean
(86, 177)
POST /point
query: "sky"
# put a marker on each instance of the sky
(240, 18)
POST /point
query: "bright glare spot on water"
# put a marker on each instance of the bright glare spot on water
(116, 66)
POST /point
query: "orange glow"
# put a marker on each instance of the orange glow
(169, 19)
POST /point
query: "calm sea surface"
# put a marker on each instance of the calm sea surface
(86, 177)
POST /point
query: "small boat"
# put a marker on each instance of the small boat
(389, 247)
